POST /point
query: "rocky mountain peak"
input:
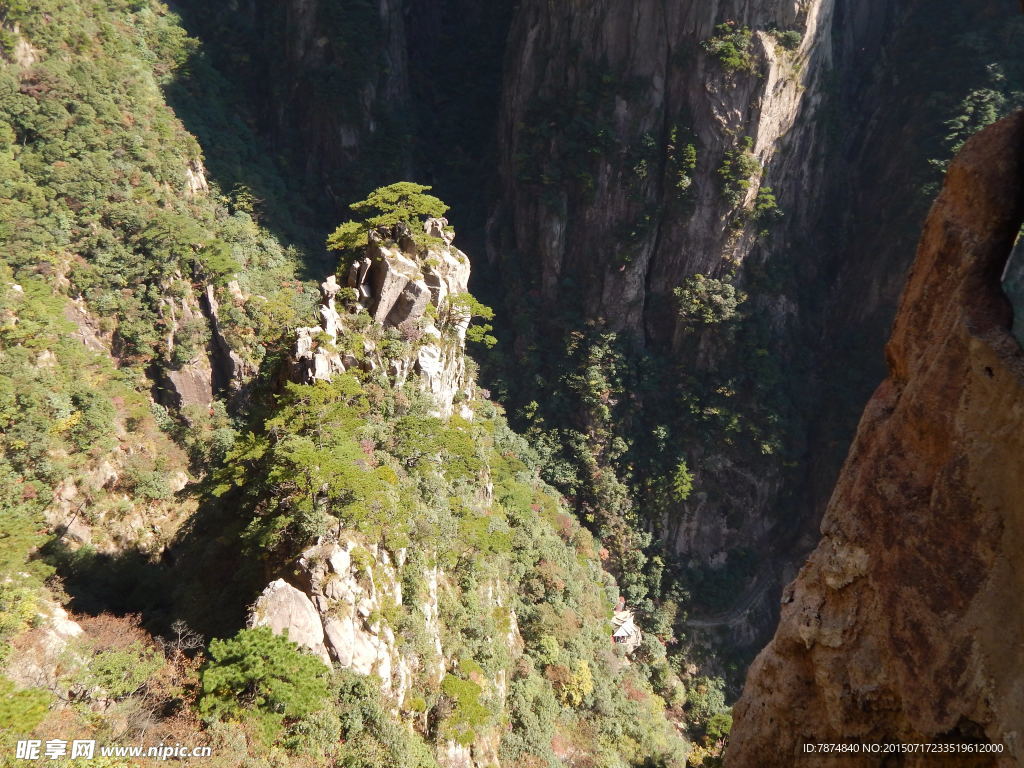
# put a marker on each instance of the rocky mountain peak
(407, 282)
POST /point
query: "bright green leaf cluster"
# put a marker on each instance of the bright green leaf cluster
(731, 45)
(739, 166)
(402, 203)
(682, 481)
(21, 710)
(707, 300)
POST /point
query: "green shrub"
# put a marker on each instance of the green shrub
(682, 160)
(718, 726)
(789, 39)
(534, 711)
(19, 604)
(145, 482)
(120, 672)
(262, 674)
(467, 713)
(400, 203)
(705, 699)
(21, 710)
(739, 167)
(370, 735)
(707, 300)
(765, 205)
(682, 481)
(575, 684)
(462, 308)
(731, 46)
(317, 735)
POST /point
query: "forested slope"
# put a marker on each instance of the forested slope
(160, 469)
(692, 220)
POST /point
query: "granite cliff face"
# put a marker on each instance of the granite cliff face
(899, 628)
(621, 88)
(633, 152)
(338, 89)
(410, 289)
(633, 157)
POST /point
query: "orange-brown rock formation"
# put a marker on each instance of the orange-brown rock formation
(907, 622)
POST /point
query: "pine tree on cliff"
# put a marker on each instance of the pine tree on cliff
(402, 203)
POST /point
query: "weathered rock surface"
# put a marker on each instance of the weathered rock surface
(596, 100)
(398, 282)
(339, 609)
(195, 179)
(625, 223)
(214, 366)
(588, 56)
(229, 370)
(44, 660)
(337, 613)
(904, 625)
(286, 610)
(337, 90)
(192, 382)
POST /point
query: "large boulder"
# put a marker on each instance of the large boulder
(349, 585)
(287, 610)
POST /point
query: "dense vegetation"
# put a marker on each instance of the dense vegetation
(114, 504)
(724, 392)
(112, 228)
(731, 46)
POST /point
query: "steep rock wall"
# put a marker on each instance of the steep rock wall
(612, 81)
(340, 87)
(325, 83)
(592, 220)
(603, 216)
(898, 627)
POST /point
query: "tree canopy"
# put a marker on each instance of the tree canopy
(263, 675)
(403, 202)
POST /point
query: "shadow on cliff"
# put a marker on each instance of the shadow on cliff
(201, 577)
(221, 113)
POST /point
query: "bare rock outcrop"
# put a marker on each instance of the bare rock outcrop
(905, 624)
(202, 361)
(287, 610)
(402, 284)
(341, 606)
(196, 184)
(338, 613)
(676, 95)
(350, 585)
(189, 382)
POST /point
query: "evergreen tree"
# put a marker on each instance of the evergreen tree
(401, 203)
(262, 675)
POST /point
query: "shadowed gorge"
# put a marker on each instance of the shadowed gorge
(457, 385)
(889, 632)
